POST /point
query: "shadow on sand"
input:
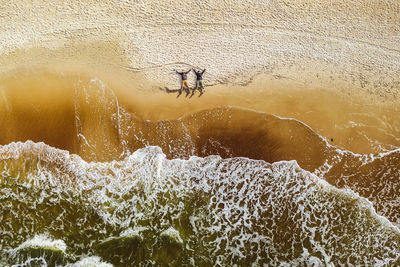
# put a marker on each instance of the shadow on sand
(171, 91)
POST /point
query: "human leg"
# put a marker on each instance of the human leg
(182, 87)
(197, 86)
(187, 86)
(201, 87)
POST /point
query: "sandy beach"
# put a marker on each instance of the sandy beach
(321, 63)
(289, 158)
(350, 47)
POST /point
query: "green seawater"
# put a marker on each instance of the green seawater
(58, 210)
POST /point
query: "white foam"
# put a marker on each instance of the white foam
(240, 192)
(30, 262)
(129, 233)
(92, 261)
(173, 233)
(43, 241)
(132, 232)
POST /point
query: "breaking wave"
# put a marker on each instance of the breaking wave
(220, 186)
(201, 211)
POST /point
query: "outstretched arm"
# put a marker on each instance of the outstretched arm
(188, 71)
(178, 72)
(203, 71)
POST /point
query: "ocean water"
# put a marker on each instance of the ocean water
(85, 180)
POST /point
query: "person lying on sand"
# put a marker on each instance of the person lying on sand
(199, 81)
(184, 82)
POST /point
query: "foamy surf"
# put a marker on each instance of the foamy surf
(203, 210)
(259, 170)
(224, 185)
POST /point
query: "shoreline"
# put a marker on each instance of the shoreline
(53, 99)
(321, 64)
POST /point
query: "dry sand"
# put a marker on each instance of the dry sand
(350, 47)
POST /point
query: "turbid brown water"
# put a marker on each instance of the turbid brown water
(242, 202)
(132, 176)
(63, 109)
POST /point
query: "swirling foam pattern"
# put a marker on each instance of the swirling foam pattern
(147, 209)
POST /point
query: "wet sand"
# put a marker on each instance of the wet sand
(85, 76)
(61, 108)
